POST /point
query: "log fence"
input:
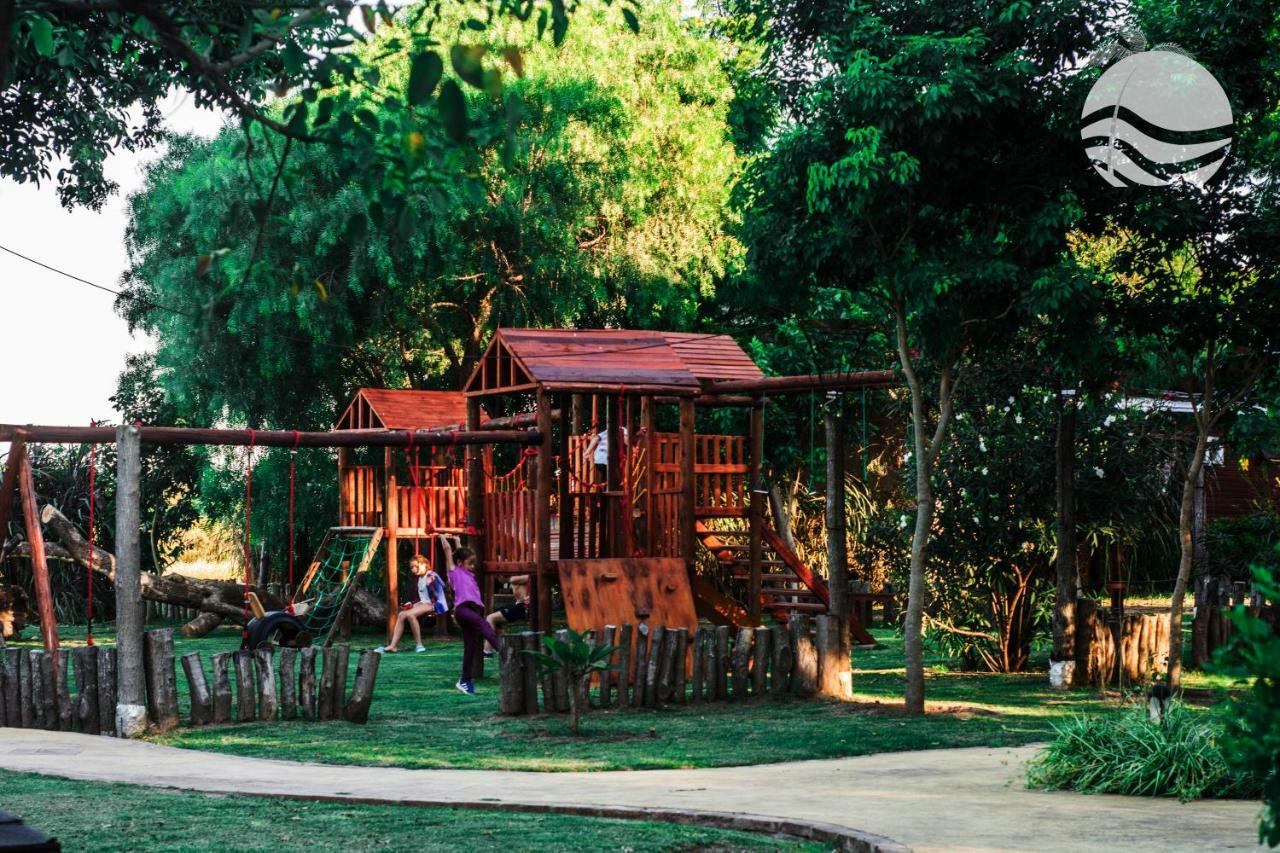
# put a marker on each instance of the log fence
(660, 666)
(79, 693)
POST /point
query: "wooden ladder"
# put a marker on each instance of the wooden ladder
(787, 585)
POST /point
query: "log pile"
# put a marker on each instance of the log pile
(77, 691)
(1144, 645)
(656, 666)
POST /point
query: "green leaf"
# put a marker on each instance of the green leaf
(42, 36)
(424, 76)
(370, 16)
(453, 109)
(467, 63)
(324, 111)
(357, 228)
(632, 21)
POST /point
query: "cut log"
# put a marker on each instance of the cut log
(653, 663)
(10, 660)
(642, 665)
(678, 678)
(246, 691)
(268, 702)
(760, 663)
(341, 662)
(708, 653)
(623, 675)
(560, 680)
(834, 676)
(723, 662)
(804, 675)
(88, 720)
(741, 662)
(357, 707)
(66, 707)
(307, 682)
(221, 688)
(44, 668)
(161, 677)
(530, 641)
(667, 667)
(698, 641)
(201, 626)
(107, 657)
(609, 676)
(288, 683)
(28, 686)
(326, 707)
(511, 663)
(197, 689)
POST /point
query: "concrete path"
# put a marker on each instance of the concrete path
(934, 800)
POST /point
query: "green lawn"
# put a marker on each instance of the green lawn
(418, 719)
(102, 817)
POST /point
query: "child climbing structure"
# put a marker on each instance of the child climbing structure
(622, 539)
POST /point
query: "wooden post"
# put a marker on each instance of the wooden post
(742, 662)
(760, 665)
(475, 481)
(268, 703)
(107, 690)
(616, 540)
(681, 654)
(780, 639)
(246, 706)
(61, 676)
(565, 486)
(9, 485)
(624, 665)
(531, 640)
(131, 708)
(653, 666)
(651, 479)
(10, 659)
(325, 705)
(197, 690)
(511, 665)
(688, 481)
(643, 650)
(356, 709)
(307, 682)
(837, 549)
(48, 691)
(723, 662)
(391, 523)
(709, 663)
(542, 512)
(221, 688)
(756, 519)
(86, 665)
(28, 686)
(560, 679)
(162, 683)
(288, 683)
(698, 641)
(39, 565)
(607, 677)
(833, 663)
(341, 665)
(804, 674)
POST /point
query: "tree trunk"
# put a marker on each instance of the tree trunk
(1186, 518)
(1064, 603)
(837, 553)
(576, 696)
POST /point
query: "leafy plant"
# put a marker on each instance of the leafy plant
(1253, 726)
(578, 660)
(1126, 752)
(1234, 545)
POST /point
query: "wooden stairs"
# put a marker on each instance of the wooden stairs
(787, 585)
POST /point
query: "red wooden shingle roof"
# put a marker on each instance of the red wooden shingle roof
(614, 358)
(388, 408)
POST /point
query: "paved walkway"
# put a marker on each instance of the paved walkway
(934, 800)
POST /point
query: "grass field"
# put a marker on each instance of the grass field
(418, 719)
(135, 819)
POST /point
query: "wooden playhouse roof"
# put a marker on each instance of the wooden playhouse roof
(607, 360)
(389, 408)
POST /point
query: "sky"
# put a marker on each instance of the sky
(61, 342)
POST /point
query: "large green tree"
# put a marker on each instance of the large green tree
(606, 205)
(926, 166)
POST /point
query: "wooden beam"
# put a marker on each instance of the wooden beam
(39, 565)
(564, 486)
(475, 486)
(9, 487)
(391, 521)
(755, 441)
(613, 477)
(646, 440)
(131, 709)
(542, 512)
(272, 438)
(722, 400)
(809, 382)
(688, 481)
(837, 550)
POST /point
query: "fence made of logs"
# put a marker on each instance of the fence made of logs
(76, 690)
(656, 665)
(1144, 645)
(1215, 597)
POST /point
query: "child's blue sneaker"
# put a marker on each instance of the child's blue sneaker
(466, 687)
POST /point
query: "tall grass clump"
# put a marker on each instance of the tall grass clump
(1125, 752)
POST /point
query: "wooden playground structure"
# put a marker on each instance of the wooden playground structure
(623, 539)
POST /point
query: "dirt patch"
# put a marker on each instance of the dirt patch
(896, 709)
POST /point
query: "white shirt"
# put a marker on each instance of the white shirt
(601, 456)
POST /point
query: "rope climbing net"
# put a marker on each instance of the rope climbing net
(343, 556)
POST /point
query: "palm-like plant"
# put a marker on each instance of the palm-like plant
(578, 660)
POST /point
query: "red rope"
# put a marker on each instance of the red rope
(293, 460)
(248, 530)
(89, 612)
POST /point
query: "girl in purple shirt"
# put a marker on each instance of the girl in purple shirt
(468, 610)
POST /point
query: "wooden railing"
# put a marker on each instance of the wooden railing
(723, 473)
(508, 527)
(432, 507)
(360, 496)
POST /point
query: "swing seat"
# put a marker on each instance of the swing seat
(278, 627)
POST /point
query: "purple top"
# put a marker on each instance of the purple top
(465, 588)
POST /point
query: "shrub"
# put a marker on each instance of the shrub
(1125, 752)
(1253, 727)
(578, 660)
(1233, 546)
